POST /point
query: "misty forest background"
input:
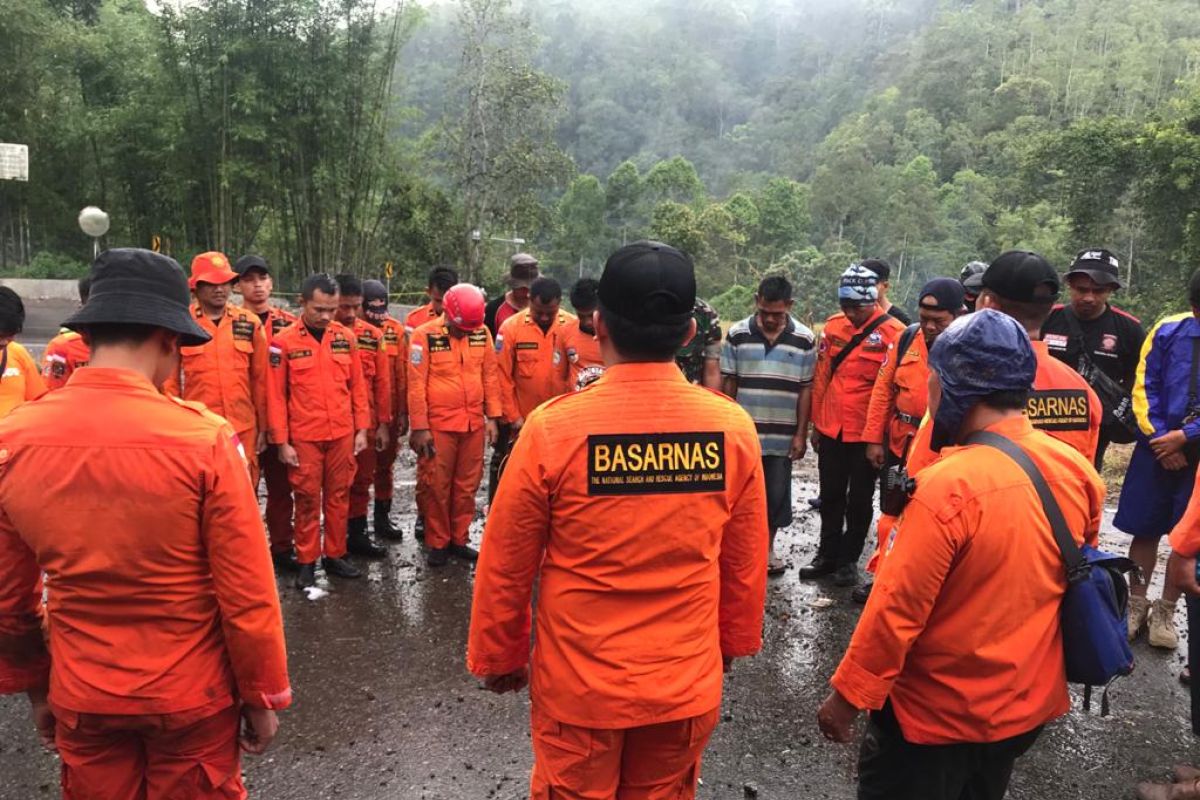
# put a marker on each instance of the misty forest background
(759, 135)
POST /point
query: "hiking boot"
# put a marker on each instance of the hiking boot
(438, 556)
(464, 551)
(1162, 625)
(359, 543)
(846, 575)
(1139, 613)
(383, 522)
(862, 593)
(818, 568)
(306, 575)
(285, 561)
(419, 529)
(340, 568)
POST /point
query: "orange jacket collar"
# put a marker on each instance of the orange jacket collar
(644, 371)
(112, 378)
(1015, 428)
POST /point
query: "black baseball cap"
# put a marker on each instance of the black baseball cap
(649, 283)
(1022, 277)
(881, 268)
(1098, 264)
(247, 263)
(131, 286)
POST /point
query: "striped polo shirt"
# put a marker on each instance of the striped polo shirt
(770, 377)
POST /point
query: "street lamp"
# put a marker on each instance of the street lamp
(94, 222)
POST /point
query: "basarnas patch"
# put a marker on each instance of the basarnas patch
(656, 463)
(1058, 409)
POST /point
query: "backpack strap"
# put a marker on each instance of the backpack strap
(906, 339)
(1071, 555)
(855, 342)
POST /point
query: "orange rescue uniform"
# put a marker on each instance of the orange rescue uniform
(164, 645)
(839, 404)
(395, 345)
(377, 372)
(318, 400)
(419, 316)
(961, 631)
(20, 378)
(900, 396)
(638, 506)
(64, 354)
(274, 471)
(452, 387)
(228, 374)
(530, 362)
(579, 351)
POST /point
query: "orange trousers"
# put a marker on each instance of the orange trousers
(385, 460)
(153, 757)
(364, 476)
(455, 473)
(279, 500)
(653, 762)
(322, 483)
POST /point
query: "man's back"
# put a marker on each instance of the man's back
(1063, 405)
(647, 495)
(964, 638)
(140, 511)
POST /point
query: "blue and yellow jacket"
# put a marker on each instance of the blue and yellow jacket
(1164, 376)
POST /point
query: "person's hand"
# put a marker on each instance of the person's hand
(875, 455)
(491, 432)
(260, 443)
(421, 443)
(259, 726)
(511, 682)
(360, 441)
(516, 426)
(799, 447)
(381, 438)
(1168, 444)
(43, 720)
(1173, 462)
(288, 455)
(1181, 573)
(836, 718)
(815, 440)
(402, 425)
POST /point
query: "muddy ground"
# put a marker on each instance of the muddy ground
(385, 708)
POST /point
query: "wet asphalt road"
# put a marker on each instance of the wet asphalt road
(385, 709)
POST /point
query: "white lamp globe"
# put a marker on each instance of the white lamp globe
(93, 221)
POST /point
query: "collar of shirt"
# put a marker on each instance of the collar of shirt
(757, 333)
(635, 371)
(111, 378)
(1015, 428)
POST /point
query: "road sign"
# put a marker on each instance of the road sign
(14, 162)
(389, 269)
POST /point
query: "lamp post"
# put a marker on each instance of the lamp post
(94, 222)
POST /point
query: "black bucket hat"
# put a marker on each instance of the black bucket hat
(131, 286)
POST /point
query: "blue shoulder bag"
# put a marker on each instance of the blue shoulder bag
(1096, 604)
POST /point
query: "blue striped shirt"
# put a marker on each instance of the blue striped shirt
(770, 377)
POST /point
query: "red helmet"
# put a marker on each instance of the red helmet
(464, 305)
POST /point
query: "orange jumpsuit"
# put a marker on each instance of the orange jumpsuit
(274, 471)
(579, 351)
(419, 316)
(530, 363)
(318, 400)
(839, 404)
(962, 630)
(638, 507)
(452, 387)
(66, 353)
(377, 372)
(228, 375)
(148, 656)
(395, 345)
(21, 380)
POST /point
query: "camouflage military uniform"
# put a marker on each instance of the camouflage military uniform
(706, 343)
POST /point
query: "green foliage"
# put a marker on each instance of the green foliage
(733, 304)
(53, 266)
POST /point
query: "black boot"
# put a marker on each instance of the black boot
(464, 551)
(285, 561)
(437, 556)
(383, 522)
(340, 568)
(306, 576)
(358, 543)
(862, 592)
(419, 529)
(820, 567)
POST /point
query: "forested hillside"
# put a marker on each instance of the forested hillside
(757, 134)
